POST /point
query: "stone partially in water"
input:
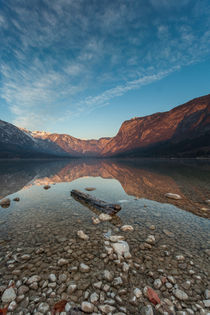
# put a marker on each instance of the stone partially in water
(173, 196)
(47, 187)
(82, 235)
(5, 203)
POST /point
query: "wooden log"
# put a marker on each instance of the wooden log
(90, 201)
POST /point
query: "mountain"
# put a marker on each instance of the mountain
(182, 131)
(16, 143)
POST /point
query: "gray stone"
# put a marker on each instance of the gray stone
(105, 308)
(43, 307)
(206, 303)
(8, 296)
(157, 284)
(179, 294)
(108, 275)
(207, 294)
(147, 310)
(52, 277)
(62, 262)
(84, 268)
(87, 307)
(12, 306)
(34, 278)
(94, 298)
(137, 292)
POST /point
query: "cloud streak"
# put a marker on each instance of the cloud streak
(61, 59)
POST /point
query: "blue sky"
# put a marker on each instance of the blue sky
(82, 67)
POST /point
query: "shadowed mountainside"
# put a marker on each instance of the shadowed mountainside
(181, 132)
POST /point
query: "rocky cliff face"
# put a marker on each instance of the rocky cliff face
(182, 131)
(155, 133)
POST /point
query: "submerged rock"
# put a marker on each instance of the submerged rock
(82, 235)
(121, 248)
(90, 188)
(105, 217)
(95, 220)
(127, 228)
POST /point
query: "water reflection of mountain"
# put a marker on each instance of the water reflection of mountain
(140, 178)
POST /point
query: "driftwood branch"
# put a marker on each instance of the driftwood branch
(92, 202)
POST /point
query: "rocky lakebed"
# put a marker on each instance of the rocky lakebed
(59, 256)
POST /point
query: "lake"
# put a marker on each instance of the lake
(169, 245)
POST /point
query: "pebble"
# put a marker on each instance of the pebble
(12, 306)
(168, 233)
(173, 196)
(150, 239)
(106, 308)
(121, 248)
(179, 294)
(87, 307)
(34, 278)
(52, 277)
(9, 295)
(95, 220)
(94, 297)
(207, 294)
(62, 262)
(108, 275)
(157, 284)
(25, 257)
(126, 228)
(104, 217)
(206, 303)
(84, 268)
(43, 307)
(147, 310)
(137, 292)
(82, 235)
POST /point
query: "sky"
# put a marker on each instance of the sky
(82, 67)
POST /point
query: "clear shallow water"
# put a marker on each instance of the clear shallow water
(51, 218)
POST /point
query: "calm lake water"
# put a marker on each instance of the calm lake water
(49, 219)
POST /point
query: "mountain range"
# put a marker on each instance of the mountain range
(182, 131)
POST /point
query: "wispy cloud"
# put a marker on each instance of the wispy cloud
(64, 58)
